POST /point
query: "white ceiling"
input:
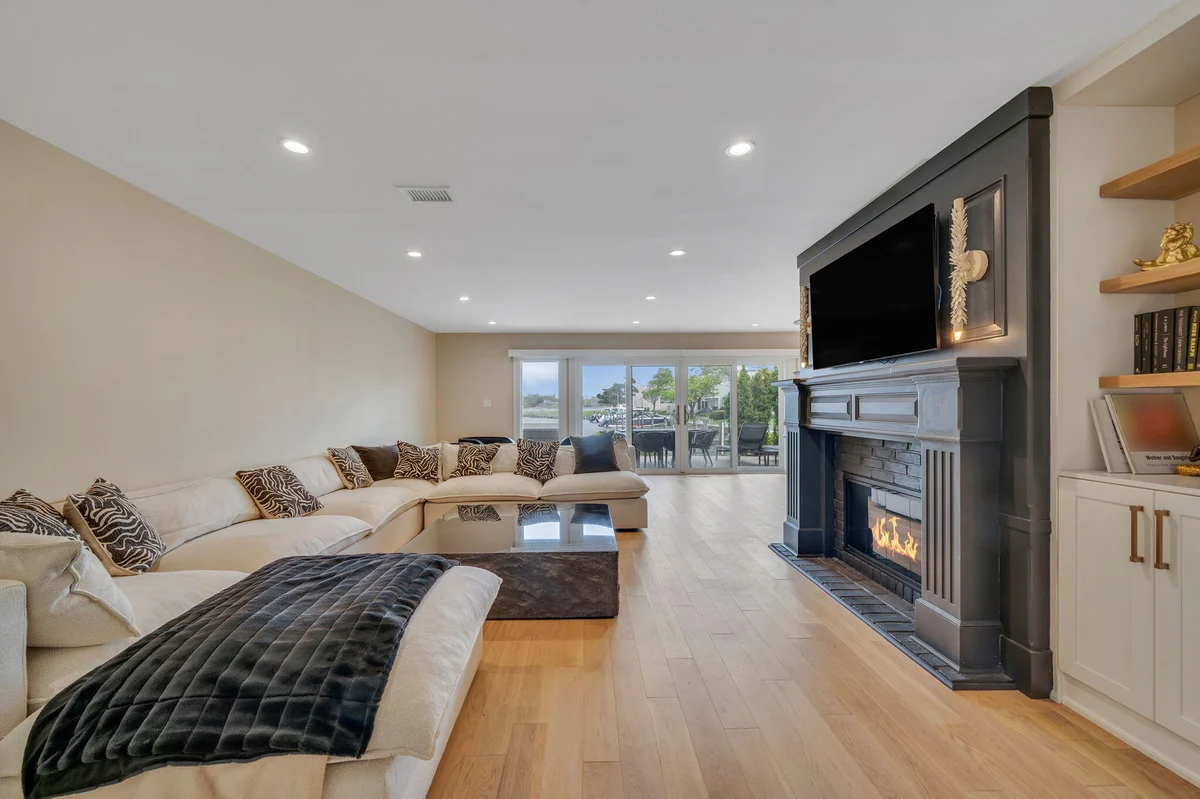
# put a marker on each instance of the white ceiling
(582, 140)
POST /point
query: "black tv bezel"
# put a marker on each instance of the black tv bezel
(937, 288)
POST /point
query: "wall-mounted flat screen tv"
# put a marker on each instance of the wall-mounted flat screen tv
(880, 300)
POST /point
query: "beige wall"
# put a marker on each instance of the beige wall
(141, 343)
(472, 367)
(1187, 134)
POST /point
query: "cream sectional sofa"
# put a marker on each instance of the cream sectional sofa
(215, 535)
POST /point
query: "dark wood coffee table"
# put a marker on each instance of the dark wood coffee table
(557, 561)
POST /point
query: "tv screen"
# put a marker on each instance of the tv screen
(879, 300)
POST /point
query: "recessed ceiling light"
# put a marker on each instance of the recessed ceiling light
(413, 253)
(297, 147)
(463, 298)
(636, 322)
(491, 323)
(677, 253)
(754, 325)
(739, 148)
(651, 297)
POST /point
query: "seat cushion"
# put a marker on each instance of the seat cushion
(252, 545)
(155, 598)
(376, 505)
(421, 488)
(485, 488)
(600, 485)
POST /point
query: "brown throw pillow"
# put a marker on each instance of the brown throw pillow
(350, 468)
(114, 529)
(278, 492)
(419, 463)
(536, 459)
(25, 513)
(380, 461)
(475, 459)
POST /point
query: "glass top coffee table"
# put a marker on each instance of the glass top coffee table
(557, 561)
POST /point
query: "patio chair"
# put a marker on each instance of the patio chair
(750, 440)
(702, 441)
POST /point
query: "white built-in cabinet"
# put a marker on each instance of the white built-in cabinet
(1129, 595)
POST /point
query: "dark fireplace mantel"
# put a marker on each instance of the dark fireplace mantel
(953, 408)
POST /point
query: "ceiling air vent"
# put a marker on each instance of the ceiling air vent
(427, 194)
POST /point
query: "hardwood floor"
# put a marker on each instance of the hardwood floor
(729, 674)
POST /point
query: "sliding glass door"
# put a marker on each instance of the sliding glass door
(681, 416)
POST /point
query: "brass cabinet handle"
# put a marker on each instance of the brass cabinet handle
(1134, 557)
(1159, 563)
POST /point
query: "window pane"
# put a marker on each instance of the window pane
(540, 402)
(758, 412)
(604, 398)
(653, 415)
(708, 406)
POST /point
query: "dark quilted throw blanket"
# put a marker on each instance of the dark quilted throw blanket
(293, 659)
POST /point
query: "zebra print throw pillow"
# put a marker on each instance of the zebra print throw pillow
(25, 513)
(478, 513)
(475, 459)
(536, 458)
(350, 468)
(114, 529)
(278, 492)
(419, 463)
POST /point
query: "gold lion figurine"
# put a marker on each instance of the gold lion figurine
(1176, 247)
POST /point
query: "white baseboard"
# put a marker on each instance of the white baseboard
(1155, 742)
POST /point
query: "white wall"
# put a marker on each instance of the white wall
(141, 343)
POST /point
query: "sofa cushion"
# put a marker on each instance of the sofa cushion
(376, 505)
(536, 459)
(115, 529)
(380, 461)
(71, 600)
(278, 492)
(505, 460)
(155, 598)
(485, 488)
(474, 460)
(599, 485)
(25, 513)
(251, 545)
(595, 453)
(350, 468)
(565, 462)
(418, 463)
(421, 488)
(185, 511)
(318, 474)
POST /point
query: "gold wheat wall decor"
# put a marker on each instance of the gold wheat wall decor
(966, 266)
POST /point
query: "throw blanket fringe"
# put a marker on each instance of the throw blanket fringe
(291, 660)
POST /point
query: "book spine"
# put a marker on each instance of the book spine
(1179, 356)
(1164, 345)
(1137, 345)
(1147, 342)
(1193, 336)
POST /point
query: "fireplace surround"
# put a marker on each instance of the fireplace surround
(948, 413)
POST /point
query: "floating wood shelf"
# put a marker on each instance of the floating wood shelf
(1163, 380)
(1172, 178)
(1164, 280)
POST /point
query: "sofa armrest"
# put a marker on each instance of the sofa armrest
(13, 687)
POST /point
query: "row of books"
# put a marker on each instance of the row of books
(1144, 433)
(1166, 340)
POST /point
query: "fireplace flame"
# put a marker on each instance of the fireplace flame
(890, 541)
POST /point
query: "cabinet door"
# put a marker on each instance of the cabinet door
(1106, 602)
(1177, 617)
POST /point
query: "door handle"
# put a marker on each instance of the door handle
(1159, 515)
(1134, 557)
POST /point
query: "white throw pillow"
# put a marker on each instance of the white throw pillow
(71, 600)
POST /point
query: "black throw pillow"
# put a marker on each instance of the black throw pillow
(380, 461)
(595, 453)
